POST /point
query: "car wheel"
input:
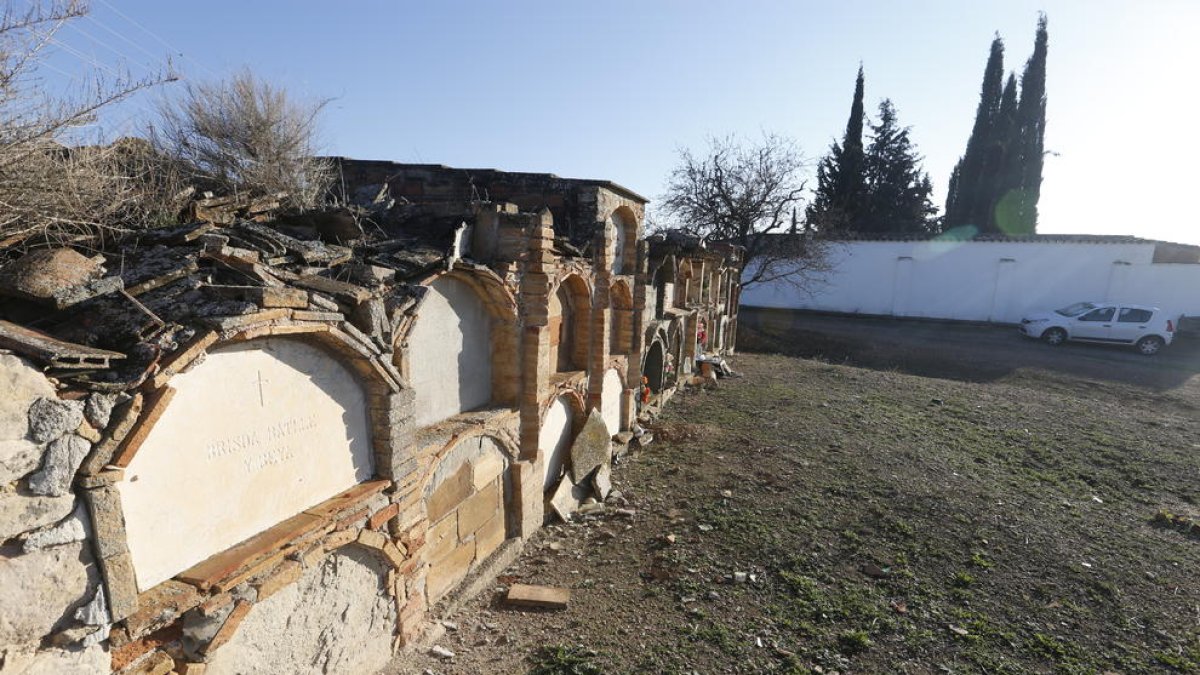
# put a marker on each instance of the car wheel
(1054, 336)
(1149, 345)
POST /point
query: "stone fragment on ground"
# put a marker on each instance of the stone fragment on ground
(592, 447)
(543, 597)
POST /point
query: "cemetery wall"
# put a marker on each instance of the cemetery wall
(250, 450)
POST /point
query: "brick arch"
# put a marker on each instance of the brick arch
(621, 327)
(624, 240)
(469, 501)
(383, 400)
(570, 321)
(474, 312)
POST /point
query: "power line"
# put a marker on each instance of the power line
(154, 35)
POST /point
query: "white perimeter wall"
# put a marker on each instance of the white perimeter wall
(985, 281)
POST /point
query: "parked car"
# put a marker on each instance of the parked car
(1149, 329)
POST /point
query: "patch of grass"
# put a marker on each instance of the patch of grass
(852, 642)
(962, 579)
(978, 560)
(565, 660)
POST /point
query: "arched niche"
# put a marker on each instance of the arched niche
(554, 439)
(457, 354)
(569, 315)
(610, 400)
(621, 327)
(664, 285)
(468, 502)
(625, 226)
(652, 366)
(256, 433)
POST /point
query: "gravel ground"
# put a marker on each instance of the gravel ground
(820, 517)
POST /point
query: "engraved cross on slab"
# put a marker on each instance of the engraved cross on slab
(262, 398)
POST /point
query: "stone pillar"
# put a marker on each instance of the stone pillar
(642, 287)
(600, 320)
(535, 371)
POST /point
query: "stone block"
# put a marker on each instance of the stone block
(18, 458)
(88, 661)
(51, 417)
(478, 509)
(61, 461)
(38, 589)
(70, 529)
(20, 512)
(372, 539)
(442, 538)
(486, 468)
(121, 584)
(489, 536)
(108, 523)
(543, 597)
(445, 574)
(592, 447)
(452, 491)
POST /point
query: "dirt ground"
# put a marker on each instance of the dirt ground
(936, 506)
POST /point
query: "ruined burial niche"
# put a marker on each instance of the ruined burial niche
(467, 505)
(621, 325)
(255, 434)
(610, 400)
(555, 440)
(652, 367)
(622, 219)
(450, 352)
(568, 312)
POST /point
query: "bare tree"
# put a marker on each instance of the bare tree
(47, 189)
(244, 136)
(746, 194)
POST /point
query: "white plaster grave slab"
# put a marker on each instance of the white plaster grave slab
(554, 441)
(610, 400)
(254, 435)
(450, 352)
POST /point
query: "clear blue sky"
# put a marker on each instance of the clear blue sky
(612, 89)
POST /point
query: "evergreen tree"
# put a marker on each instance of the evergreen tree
(841, 182)
(1029, 135)
(968, 201)
(897, 190)
(996, 184)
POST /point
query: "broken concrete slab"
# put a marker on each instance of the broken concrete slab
(55, 352)
(602, 481)
(541, 597)
(62, 460)
(567, 498)
(592, 447)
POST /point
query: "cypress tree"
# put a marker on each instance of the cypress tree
(1030, 134)
(897, 190)
(840, 175)
(996, 184)
(967, 203)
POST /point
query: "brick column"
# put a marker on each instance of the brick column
(535, 372)
(600, 320)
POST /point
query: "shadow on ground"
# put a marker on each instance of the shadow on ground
(963, 352)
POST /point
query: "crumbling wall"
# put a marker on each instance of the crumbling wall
(109, 352)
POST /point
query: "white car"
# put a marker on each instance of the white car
(1147, 328)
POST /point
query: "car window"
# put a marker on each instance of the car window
(1102, 314)
(1134, 315)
